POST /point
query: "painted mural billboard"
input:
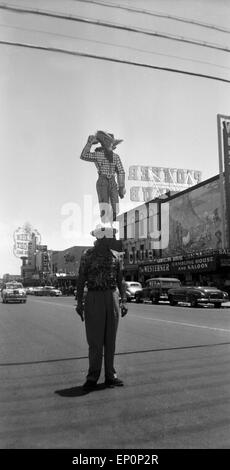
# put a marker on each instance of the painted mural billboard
(226, 144)
(195, 221)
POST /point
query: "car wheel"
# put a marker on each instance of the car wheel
(193, 302)
(137, 298)
(172, 302)
(154, 300)
(217, 305)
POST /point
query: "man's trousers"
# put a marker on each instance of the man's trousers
(107, 194)
(101, 322)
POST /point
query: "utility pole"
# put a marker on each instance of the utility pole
(223, 126)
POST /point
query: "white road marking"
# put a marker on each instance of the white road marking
(181, 323)
(191, 325)
(54, 303)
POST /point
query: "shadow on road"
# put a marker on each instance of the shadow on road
(78, 391)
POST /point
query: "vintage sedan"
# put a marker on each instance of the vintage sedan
(13, 292)
(197, 295)
(131, 287)
(55, 292)
(156, 289)
(49, 290)
(38, 290)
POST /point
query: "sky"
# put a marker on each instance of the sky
(50, 102)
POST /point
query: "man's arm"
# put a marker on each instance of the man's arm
(82, 278)
(86, 154)
(121, 283)
(122, 290)
(80, 287)
(120, 177)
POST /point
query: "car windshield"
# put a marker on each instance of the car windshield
(134, 284)
(13, 285)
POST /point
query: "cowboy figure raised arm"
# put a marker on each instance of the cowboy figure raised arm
(108, 164)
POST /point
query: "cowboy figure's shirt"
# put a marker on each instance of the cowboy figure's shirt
(104, 167)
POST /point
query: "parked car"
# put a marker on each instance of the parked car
(131, 288)
(38, 290)
(156, 289)
(197, 295)
(13, 292)
(48, 290)
(30, 290)
(55, 292)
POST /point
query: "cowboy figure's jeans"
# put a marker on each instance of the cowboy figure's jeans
(107, 194)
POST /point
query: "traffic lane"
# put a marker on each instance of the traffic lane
(49, 329)
(42, 329)
(174, 397)
(171, 399)
(162, 326)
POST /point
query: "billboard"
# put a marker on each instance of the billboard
(195, 222)
(144, 183)
(226, 145)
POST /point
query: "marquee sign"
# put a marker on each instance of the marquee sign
(193, 262)
(206, 263)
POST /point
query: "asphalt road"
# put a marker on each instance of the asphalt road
(174, 362)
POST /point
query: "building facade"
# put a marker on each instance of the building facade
(178, 235)
(10, 277)
(44, 266)
(64, 266)
(35, 267)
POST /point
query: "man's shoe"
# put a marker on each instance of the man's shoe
(111, 383)
(89, 385)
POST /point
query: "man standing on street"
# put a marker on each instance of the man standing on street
(100, 269)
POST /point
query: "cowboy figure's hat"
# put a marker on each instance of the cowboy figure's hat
(107, 139)
(103, 232)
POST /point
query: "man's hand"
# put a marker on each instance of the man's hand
(92, 140)
(121, 191)
(124, 309)
(80, 311)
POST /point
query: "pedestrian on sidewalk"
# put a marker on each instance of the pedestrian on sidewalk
(100, 269)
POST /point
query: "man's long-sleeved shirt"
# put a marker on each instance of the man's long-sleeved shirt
(104, 167)
(101, 270)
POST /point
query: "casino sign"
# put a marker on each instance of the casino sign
(22, 238)
(145, 183)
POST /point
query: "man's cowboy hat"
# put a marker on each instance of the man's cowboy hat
(102, 231)
(106, 139)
